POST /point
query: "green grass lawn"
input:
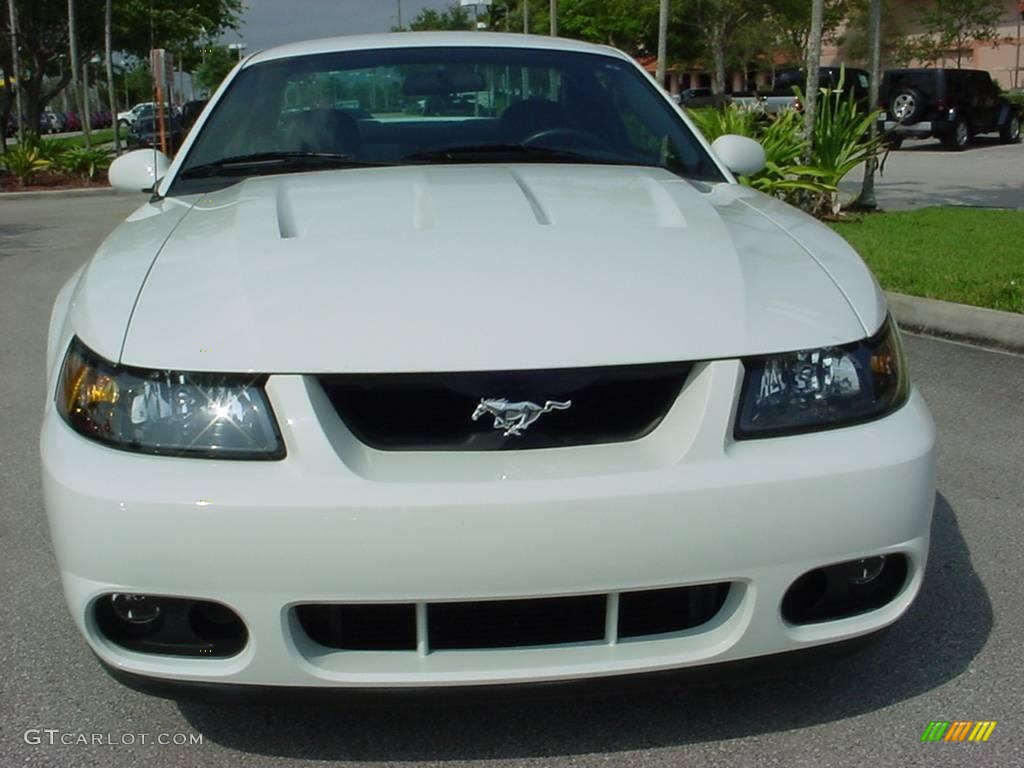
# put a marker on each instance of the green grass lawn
(101, 136)
(967, 255)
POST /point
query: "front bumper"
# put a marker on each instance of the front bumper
(338, 522)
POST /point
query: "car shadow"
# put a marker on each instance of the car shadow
(913, 194)
(934, 145)
(934, 642)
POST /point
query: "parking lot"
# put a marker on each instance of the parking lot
(923, 173)
(954, 656)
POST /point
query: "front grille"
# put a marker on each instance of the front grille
(512, 623)
(434, 411)
(520, 623)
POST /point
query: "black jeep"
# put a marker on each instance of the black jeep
(952, 105)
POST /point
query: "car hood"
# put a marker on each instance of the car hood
(474, 267)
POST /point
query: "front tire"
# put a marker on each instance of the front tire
(958, 139)
(1009, 132)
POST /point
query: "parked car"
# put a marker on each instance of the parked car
(783, 94)
(701, 97)
(130, 116)
(72, 121)
(454, 400)
(62, 121)
(145, 132)
(49, 122)
(952, 105)
(190, 112)
(100, 119)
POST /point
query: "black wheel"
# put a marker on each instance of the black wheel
(959, 137)
(907, 106)
(1009, 132)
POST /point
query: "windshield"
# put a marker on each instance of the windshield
(400, 106)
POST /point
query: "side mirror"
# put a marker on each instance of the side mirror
(741, 155)
(138, 171)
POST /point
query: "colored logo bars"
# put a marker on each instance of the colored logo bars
(958, 730)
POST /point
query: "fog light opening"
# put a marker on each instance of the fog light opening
(173, 626)
(135, 609)
(845, 589)
(214, 622)
(867, 570)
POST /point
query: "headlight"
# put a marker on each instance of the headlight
(816, 389)
(167, 412)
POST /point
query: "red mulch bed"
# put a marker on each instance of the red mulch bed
(46, 181)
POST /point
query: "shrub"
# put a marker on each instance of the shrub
(733, 119)
(781, 135)
(82, 162)
(843, 139)
(25, 160)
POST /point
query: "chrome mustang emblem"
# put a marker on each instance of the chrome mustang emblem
(515, 418)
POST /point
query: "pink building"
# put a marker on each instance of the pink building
(1002, 57)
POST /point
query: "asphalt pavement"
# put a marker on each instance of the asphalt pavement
(923, 173)
(955, 656)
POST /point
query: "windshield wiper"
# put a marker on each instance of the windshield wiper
(273, 162)
(502, 153)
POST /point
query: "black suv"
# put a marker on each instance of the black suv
(952, 105)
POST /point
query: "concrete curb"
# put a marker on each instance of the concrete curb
(988, 327)
(54, 194)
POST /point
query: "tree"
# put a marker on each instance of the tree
(867, 199)
(718, 21)
(108, 61)
(452, 18)
(218, 62)
(790, 21)
(138, 83)
(952, 24)
(896, 49)
(11, 77)
(663, 14)
(812, 68)
(44, 43)
(76, 81)
(43, 51)
(627, 24)
(177, 25)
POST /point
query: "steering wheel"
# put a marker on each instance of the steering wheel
(586, 137)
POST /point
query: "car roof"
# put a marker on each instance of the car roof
(933, 70)
(427, 40)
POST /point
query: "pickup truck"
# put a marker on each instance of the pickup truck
(788, 81)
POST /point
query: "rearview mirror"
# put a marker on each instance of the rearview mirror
(138, 171)
(741, 155)
(442, 82)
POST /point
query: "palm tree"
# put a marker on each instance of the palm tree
(813, 65)
(76, 78)
(108, 35)
(867, 198)
(15, 73)
(662, 41)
